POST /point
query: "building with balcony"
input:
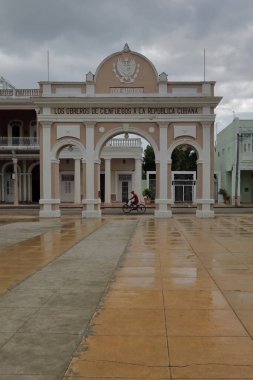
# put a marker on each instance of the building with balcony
(234, 161)
(120, 167)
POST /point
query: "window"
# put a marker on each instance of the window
(247, 142)
(68, 177)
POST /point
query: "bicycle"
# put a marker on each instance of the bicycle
(139, 208)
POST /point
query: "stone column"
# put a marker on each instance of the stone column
(83, 180)
(15, 187)
(24, 193)
(204, 203)
(97, 185)
(169, 185)
(91, 202)
(55, 187)
(138, 176)
(29, 192)
(162, 201)
(77, 197)
(47, 209)
(107, 180)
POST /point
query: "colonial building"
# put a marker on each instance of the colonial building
(62, 130)
(234, 161)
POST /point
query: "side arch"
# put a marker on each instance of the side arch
(184, 141)
(67, 142)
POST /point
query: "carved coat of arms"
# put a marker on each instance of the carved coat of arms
(126, 70)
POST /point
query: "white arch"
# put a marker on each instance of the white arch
(185, 141)
(108, 135)
(65, 142)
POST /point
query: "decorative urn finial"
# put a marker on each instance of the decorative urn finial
(126, 48)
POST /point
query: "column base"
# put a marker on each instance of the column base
(49, 214)
(163, 214)
(91, 214)
(163, 210)
(205, 214)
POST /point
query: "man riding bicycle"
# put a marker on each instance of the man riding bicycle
(134, 200)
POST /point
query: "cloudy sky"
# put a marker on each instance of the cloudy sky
(171, 33)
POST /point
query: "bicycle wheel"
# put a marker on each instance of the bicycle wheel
(126, 208)
(141, 208)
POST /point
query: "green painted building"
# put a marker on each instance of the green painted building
(233, 164)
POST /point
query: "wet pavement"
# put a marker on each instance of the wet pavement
(127, 298)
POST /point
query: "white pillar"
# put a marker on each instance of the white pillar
(91, 202)
(77, 198)
(163, 201)
(24, 183)
(46, 201)
(29, 175)
(107, 180)
(205, 203)
(15, 172)
(138, 176)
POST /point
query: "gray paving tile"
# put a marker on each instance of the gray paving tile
(4, 337)
(20, 297)
(61, 321)
(79, 299)
(38, 354)
(28, 377)
(11, 319)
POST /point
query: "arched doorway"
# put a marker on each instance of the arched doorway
(184, 174)
(121, 161)
(121, 168)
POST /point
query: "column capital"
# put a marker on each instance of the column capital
(206, 124)
(55, 162)
(45, 124)
(163, 124)
(89, 124)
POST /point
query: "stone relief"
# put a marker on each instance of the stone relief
(126, 70)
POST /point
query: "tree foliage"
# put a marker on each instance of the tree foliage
(149, 159)
(184, 157)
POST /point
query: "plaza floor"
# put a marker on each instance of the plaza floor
(126, 298)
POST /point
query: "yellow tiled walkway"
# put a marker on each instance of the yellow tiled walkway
(180, 306)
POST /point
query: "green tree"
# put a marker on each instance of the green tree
(184, 157)
(149, 159)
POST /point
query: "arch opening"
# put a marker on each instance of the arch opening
(184, 174)
(121, 157)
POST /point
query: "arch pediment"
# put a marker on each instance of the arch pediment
(126, 72)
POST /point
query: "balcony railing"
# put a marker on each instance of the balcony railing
(19, 142)
(124, 143)
(21, 93)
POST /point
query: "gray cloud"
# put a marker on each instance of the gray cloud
(171, 33)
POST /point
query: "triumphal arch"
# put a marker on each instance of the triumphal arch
(125, 95)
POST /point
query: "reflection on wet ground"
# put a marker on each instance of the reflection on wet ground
(28, 246)
(180, 305)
